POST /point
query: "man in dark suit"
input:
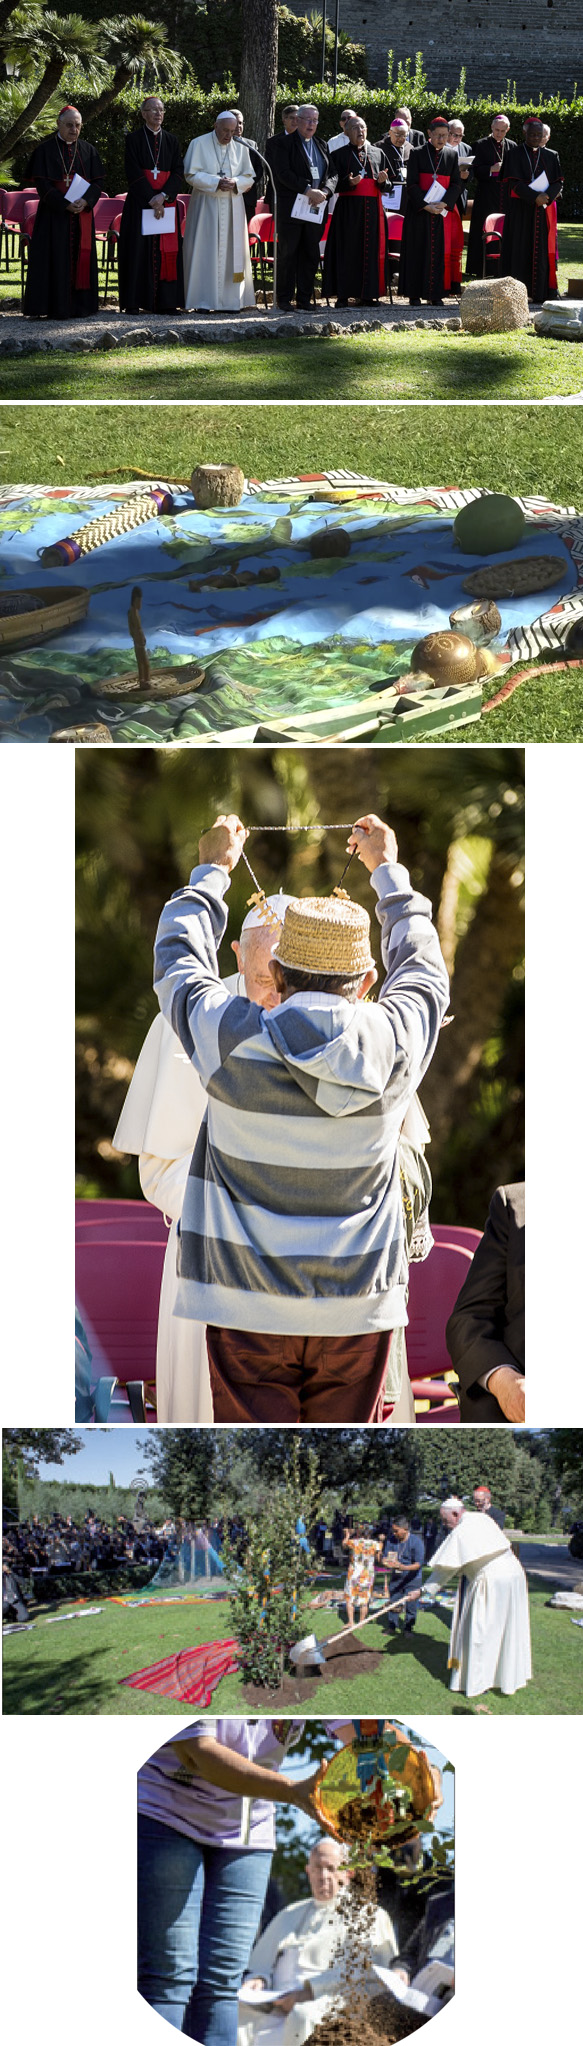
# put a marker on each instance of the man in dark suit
(485, 1333)
(301, 166)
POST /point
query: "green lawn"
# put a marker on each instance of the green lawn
(522, 450)
(75, 1667)
(395, 365)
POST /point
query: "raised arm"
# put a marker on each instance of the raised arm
(415, 994)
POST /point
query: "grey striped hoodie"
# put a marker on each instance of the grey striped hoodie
(292, 1218)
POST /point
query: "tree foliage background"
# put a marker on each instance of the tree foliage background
(459, 819)
(536, 1478)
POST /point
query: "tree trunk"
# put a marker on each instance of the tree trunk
(48, 85)
(259, 25)
(121, 78)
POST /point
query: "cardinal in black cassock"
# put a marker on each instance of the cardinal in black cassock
(61, 279)
(356, 248)
(529, 241)
(427, 247)
(491, 159)
(150, 266)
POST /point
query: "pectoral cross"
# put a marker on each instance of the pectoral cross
(155, 171)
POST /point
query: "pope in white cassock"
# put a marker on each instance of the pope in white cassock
(299, 1957)
(217, 264)
(159, 1123)
(489, 1646)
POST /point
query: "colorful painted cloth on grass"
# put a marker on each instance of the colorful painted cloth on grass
(278, 628)
(191, 1676)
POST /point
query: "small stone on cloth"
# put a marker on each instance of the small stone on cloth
(494, 305)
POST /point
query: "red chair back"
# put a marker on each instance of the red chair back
(395, 226)
(104, 214)
(182, 204)
(29, 216)
(14, 204)
(493, 224)
(449, 1232)
(118, 1222)
(118, 1294)
(262, 226)
(433, 1291)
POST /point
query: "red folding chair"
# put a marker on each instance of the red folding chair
(433, 1291)
(112, 238)
(260, 245)
(492, 242)
(13, 204)
(104, 212)
(118, 1295)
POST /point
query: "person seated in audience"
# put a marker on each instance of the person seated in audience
(300, 1956)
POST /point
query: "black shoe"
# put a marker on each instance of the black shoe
(284, 305)
(341, 302)
(437, 301)
(414, 301)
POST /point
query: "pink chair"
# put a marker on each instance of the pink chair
(30, 211)
(492, 241)
(182, 202)
(103, 214)
(127, 1219)
(111, 240)
(118, 1295)
(261, 249)
(433, 1291)
(13, 204)
(448, 1232)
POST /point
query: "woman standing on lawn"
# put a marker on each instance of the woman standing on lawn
(359, 1582)
(206, 1835)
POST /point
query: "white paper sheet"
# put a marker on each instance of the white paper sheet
(435, 194)
(392, 200)
(540, 184)
(262, 1997)
(150, 225)
(415, 1999)
(301, 210)
(77, 189)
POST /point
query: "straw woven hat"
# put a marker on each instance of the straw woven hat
(325, 935)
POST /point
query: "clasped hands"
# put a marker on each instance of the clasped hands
(373, 842)
(227, 185)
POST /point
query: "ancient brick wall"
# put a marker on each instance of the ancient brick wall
(536, 43)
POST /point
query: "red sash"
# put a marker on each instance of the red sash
(85, 220)
(452, 243)
(168, 242)
(550, 213)
(367, 189)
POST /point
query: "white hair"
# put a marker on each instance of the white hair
(308, 110)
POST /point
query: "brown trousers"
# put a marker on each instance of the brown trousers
(297, 1378)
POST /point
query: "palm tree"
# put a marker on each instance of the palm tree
(138, 51)
(53, 41)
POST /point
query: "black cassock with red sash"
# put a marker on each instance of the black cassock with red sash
(529, 241)
(428, 266)
(356, 247)
(62, 264)
(150, 266)
(489, 169)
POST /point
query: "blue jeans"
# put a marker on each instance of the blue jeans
(198, 1913)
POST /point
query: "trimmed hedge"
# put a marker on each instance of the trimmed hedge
(196, 114)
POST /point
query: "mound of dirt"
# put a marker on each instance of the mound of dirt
(349, 1660)
(382, 2024)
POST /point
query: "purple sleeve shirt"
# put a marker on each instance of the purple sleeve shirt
(168, 1792)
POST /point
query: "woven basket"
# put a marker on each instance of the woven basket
(60, 609)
